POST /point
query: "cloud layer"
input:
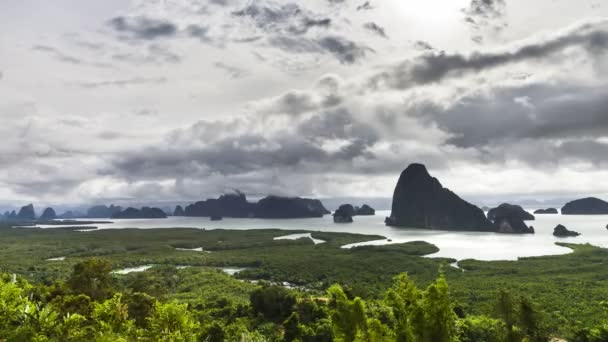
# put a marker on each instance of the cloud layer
(188, 99)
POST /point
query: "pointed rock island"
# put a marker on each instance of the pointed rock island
(48, 215)
(420, 201)
(27, 213)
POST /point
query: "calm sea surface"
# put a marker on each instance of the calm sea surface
(457, 245)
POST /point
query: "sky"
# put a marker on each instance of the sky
(176, 100)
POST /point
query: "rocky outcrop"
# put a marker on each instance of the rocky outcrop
(143, 213)
(350, 210)
(71, 214)
(365, 210)
(509, 219)
(586, 206)
(228, 205)
(344, 214)
(346, 210)
(272, 207)
(102, 211)
(420, 201)
(48, 215)
(27, 213)
(236, 206)
(511, 225)
(509, 210)
(546, 211)
(179, 211)
(561, 231)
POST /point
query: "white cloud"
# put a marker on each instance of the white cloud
(278, 99)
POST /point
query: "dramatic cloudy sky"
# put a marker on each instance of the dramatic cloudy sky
(184, 99)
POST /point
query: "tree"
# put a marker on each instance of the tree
(172, 322)
(292, 328)
(140, 307)
(505, 310)
(349, 319)
(404, 300)
(112, 318)
(481, 328)
(530, 321)
(275, 303)
(439, 316)
(93, 278)
(425, 316)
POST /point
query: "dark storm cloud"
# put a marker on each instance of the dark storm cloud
(266, 16)
(346, 51)
(237, 153)
(508, 115)
(288, 18)
(587, 150)
(296, 102)
(338, 124)
(434, 67)
(376, 29)
(548, 154)
(232, 156)
(35, 187)
(310, 23)
(143, 28)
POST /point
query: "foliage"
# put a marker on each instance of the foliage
(64, 300)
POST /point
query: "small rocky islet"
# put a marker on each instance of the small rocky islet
(548, 211)
(345, 213)
(562, 231)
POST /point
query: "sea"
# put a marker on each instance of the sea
(456, 245)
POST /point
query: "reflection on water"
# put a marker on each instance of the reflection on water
(133, 269)
(457, 245)
(197, 249)
(300, 236)
(56, 259)
(232, 270)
